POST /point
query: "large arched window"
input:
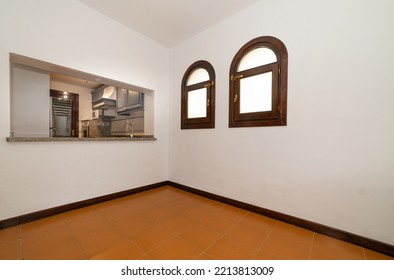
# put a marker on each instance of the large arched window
(258, 84)
(198, 96)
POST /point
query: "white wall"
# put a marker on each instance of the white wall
(29, 103)
(36, 176)
(333, 163)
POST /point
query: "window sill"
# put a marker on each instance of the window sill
(70, 139)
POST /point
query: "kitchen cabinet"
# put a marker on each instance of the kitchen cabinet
(128, 100)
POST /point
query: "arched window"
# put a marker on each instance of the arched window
(198, 96)
(258, 84)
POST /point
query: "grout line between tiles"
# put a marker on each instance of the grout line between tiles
(220, 237)
(208, 255)
(265, 240)
(139, 247)
(22, 242)
(154, 248)
(312, 245)
(202, 253)
(76, 239)
(180, 237)
(365, 255)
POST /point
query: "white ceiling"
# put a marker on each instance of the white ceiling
(168, 22)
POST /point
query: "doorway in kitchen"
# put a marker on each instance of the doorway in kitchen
(63, 121)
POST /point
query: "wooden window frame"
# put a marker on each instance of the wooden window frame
(209, 120)
(278, 115)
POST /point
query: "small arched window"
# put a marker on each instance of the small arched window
(198, 96)
(258, 84)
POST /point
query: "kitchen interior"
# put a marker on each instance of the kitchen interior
(114, 111)
(81, 105)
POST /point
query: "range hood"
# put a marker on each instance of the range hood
(104, 103)
(104, 98)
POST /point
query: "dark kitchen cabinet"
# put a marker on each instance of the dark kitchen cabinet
(128, 100)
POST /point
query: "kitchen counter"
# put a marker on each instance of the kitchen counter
(74, 139)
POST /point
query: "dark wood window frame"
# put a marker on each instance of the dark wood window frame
(209, 120)
(278, 115)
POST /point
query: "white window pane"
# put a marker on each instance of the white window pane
(197, 76)
(196, 104)
(257, 57)
(256, 93)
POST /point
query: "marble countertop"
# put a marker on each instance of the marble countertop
(75, 139)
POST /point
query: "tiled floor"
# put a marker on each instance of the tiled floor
(168, 223)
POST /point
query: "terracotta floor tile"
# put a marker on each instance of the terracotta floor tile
(325, 247)
(124, 201)
(126, 211)
(176, 224)
(107, 206)
(132, 206)
(277, 247)
(115, 215)
(90, 224)
(248, 235)
(11, 250)
(195, 214)
(178, 205)
(372, 255)
(158, 197)
(259, 222)
(93, 243)
(34, 244)
(43, 225)
(193, 201)
(57, 243)
(159, 214)
(232, 212)
(176, 249)
(201, 236)
(125, 250)
(65, 250)
(146, 257)
(293, 233)
(152, 237)
(228, 248)
(219, 222)
(205, 257)
(79, 214)
(321, 255)
(168, 223)
(209, 206)
(132, 225)
(10, 234)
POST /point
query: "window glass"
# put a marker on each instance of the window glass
(197, 76)
(257, 57)
(255, 93)
(196, 105)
